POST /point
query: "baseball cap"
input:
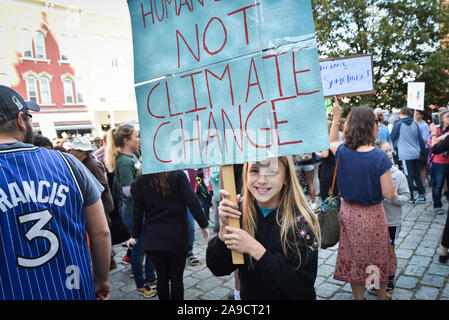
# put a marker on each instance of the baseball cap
(11, 103)
(81, 143)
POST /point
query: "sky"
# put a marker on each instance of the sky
(113, 8)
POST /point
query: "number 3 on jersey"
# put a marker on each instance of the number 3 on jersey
(37, 230)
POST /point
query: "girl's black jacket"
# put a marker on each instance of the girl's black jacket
(273, 277)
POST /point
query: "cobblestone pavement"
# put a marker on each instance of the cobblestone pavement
(419, 275)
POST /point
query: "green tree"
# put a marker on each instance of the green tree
(405, 37)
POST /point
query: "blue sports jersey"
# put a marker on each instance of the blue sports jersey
(43, 241)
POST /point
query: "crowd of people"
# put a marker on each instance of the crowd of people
(66, 207)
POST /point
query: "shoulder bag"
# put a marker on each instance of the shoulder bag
(328, 217)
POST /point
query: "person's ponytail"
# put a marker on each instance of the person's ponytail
(111, 152)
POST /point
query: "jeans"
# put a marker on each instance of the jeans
(191, 224)
(412, 170)
(440, 173)
(137, 254)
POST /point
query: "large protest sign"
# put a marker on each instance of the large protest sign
(415, 95)
(223, 82)
(347, 76)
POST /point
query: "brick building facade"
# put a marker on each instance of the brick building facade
(76, 64)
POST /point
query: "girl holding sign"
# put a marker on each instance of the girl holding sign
(279, 238)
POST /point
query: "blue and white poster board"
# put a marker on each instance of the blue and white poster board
(347, 76)
(225, 82)
(415, 95)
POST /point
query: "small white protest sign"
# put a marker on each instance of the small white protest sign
(415, 95)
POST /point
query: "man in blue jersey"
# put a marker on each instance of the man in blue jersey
(48, 202)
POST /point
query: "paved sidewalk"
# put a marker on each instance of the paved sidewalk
(419, 274)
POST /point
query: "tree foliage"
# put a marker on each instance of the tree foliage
(409, 41)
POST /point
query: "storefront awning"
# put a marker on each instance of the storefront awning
(74, 126)
(78, 126)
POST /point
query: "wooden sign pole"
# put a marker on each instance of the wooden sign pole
(229, 185)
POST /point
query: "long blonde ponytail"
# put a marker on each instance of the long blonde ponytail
(115, 140)
(111, 152)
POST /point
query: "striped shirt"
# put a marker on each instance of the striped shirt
(42, 227)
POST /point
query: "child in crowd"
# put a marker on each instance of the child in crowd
(393, 208)
(280, 235)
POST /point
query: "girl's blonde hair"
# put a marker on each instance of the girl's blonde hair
(116, 139)
(292, 201)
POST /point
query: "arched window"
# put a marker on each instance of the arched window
(44, 84)
(68, 90)
(31, 89)
(38, 50)
(39, 45)
(73, 89)
(26, 38)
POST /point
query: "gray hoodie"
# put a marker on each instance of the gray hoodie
(393, 208)
(407, 139)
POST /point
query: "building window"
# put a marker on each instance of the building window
(31, 89)
(27, 44)
(68, 90)
(45, 91)
(68, 48)
(39, 45)
(79, 96)
(64, 56)
(33, 47)
(80, 90)
(115, 63)
(63, 48)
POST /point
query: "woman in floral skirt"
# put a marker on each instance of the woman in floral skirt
(364, 179)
